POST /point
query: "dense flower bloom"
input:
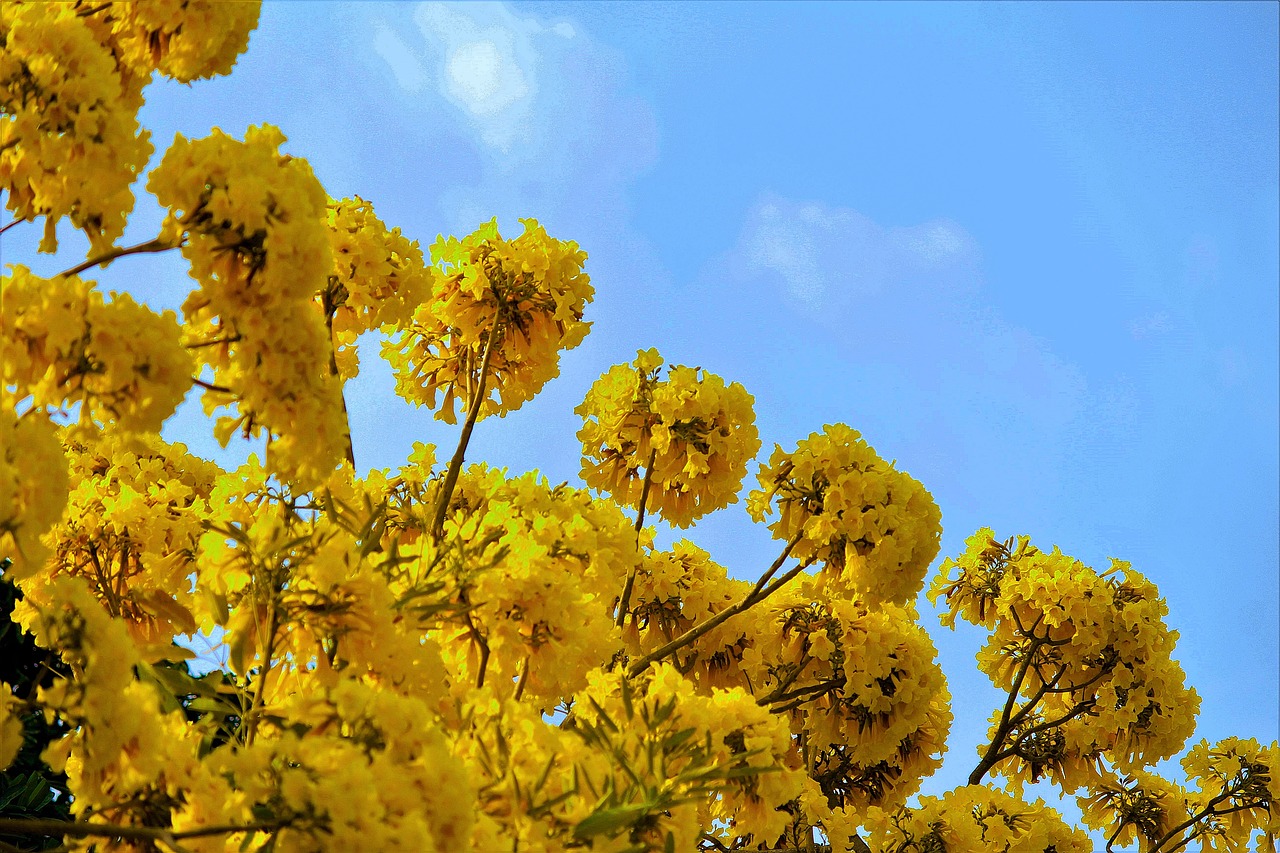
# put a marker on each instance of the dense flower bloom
(1090, 653)
(975, 817)
(688, 432)
(378, 280)
(874, 527)
(519, 302)
(70, 143)
(33, 487)
(254, 223)
(61, 343)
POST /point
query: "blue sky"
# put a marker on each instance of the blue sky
(1030, 251)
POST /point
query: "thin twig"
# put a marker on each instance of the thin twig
(86, 829)
(757, 594)
(151, 246)
(209, 386)
(625, 601)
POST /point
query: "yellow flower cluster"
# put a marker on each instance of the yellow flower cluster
(864, 685)
(33, 488)
(254, 221)
(71, 80)
(519, 302)
(723, 754)
(120, 746)
(378, 279)
(61, 343)
(184, 40)
(690, 433)
(975, 818)
(11, 733)
(131, 528)
(674, 591)
(1239, 786)
(1089, 651)
(70, 144)
(542, 588)
(875, 528)
(1240, 779)
(354, 775)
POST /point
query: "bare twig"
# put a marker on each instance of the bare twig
(149, 247)
(625, 601)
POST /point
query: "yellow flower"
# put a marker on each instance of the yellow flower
(875, 528)
(378, 279)
(689, 433)
(258, 246)
(70, 144)
(185, 40)
(518, 301)
(33, 487)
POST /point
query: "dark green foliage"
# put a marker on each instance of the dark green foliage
(28, 788)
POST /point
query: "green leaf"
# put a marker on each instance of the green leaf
(671, 741)
(610, 821)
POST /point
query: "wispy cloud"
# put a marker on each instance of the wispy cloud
(920, 347)
(827, 256)
(555, 132)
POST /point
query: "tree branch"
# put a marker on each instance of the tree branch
(758, 594)
(455, 464)
(86, 829)
(989, 758)
(149, 247)
(625, 601)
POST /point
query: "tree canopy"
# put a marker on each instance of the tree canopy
(447, 656)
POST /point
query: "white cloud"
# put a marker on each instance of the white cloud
(484, 79)
(487, 65)
(554, 132)
(915, 342)
(828, 255)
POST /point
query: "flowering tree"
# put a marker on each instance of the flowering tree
(446, 657)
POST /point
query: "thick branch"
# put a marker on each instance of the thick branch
(455, 464)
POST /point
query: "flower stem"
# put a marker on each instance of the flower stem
(455, 464)
(149, 247)
(762, 590)
(625, 601)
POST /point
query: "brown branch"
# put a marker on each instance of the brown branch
(625, 601)
(759, 593)
(86, 829)
(990, 757)
(209, 386)
(1210, 810)
(1082, 708)
(149, 247)
(455, 464)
